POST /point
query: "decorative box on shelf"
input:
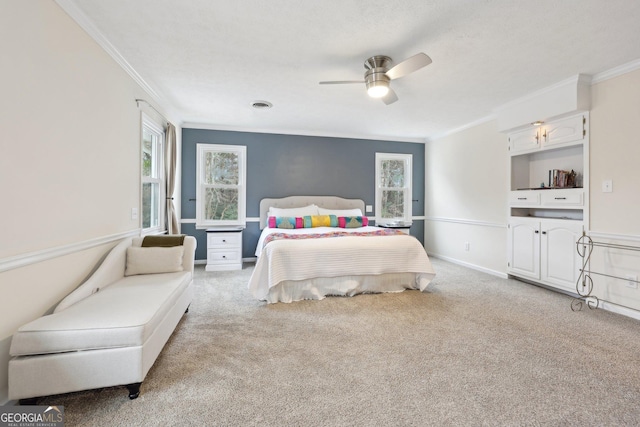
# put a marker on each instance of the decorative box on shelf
(224, 249)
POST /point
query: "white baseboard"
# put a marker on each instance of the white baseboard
(469, 265)
(602, 305)
(615, 308)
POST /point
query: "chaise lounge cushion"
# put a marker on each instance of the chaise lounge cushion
(123, 314)
(148, 260)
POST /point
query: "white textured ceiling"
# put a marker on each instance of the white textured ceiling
(208, 60)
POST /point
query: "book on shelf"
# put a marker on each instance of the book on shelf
(559, 178)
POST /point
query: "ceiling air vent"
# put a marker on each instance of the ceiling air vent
(261, 105)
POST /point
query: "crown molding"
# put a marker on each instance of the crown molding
(71, 9)
(461, 128)
(617, 71)
(86, 24)
(209, 126)
(577, 80)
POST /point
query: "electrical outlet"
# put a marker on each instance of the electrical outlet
(607, 186)
(134, 213)
(467, 246)
(632, 281)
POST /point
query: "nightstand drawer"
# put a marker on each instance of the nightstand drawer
(223, 257)
(215, 240)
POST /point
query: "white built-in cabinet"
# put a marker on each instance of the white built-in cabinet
(546, 222)
(544, 250)
(562, 131)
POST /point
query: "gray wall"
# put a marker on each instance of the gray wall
(292, 165)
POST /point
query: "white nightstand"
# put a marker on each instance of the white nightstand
(224, 249)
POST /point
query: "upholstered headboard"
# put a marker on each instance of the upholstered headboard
(327, 202)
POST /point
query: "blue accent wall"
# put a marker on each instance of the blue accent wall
(294, 165)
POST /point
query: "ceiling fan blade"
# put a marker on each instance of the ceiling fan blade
(342, 82)
(408, 66)
(390, 97)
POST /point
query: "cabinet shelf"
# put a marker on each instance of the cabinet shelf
(556, 214)
(529, 171)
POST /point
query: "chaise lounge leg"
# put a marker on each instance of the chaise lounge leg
(134, 390)
(187, 310)
(28, 402)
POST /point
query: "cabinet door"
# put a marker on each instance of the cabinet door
(527, 139)
(563, 131)
(558, 254)
(524, 249)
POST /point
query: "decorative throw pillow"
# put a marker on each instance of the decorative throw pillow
(353, 221)
(320, 221)
(285, 222)
(153, 260)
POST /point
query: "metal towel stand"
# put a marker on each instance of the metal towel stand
(584, 284)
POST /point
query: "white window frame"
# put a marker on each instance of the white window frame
(158, 175)
(201, 186)
(407, 188)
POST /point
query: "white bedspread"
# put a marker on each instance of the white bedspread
(298, 260)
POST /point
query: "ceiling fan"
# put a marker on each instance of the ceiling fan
(380, 72)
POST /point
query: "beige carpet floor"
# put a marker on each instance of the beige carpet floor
(472, 350)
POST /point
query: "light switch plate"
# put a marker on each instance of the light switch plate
(134, 213)
(607, 186)
(368, 208)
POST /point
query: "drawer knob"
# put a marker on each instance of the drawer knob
(224, 256)
(561, 198)
(522, 198)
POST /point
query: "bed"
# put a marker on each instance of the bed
(314, 246)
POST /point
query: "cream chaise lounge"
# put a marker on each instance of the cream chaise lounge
(110, 330)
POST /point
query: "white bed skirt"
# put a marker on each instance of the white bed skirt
(319, 288)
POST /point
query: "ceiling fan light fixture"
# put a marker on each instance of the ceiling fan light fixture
(380, 71)
(377, 82)
(378, 89)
